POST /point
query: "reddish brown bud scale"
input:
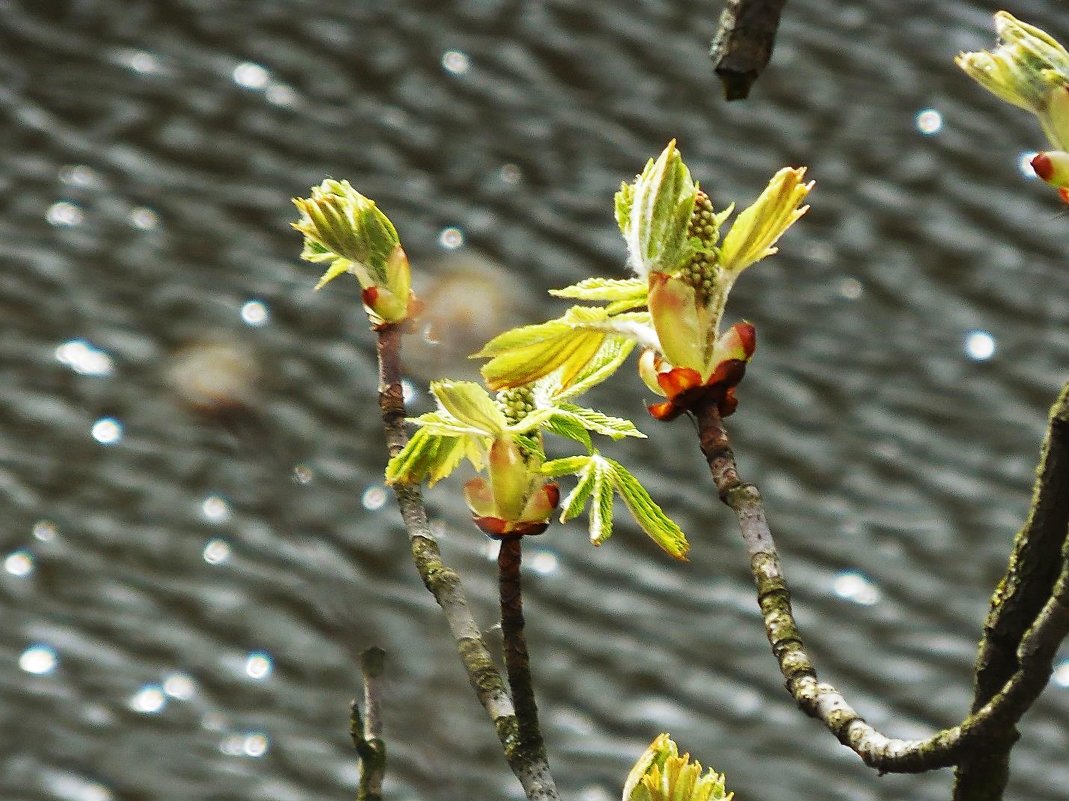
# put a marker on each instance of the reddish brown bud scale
(491, 526)
(497, 529)
(747, 336)
(1043, 166)
(678, 380)
(553, 494)
(689, 390)
(530, 529)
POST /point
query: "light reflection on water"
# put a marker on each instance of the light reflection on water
(149, 700)
(107, 431)
(258, 665)
(39, 660)
(19, 564)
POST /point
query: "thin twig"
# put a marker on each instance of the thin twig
(366, 731)
(517, 661)
(824, 702)
(444, 584)
(1020, 595)
(743, 43)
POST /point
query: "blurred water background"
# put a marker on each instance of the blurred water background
(196, 540)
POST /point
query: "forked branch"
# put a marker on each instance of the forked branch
(1033, 653)
(444, 583)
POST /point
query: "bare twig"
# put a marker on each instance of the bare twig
(824, 702)
(743, 43)
(366, 731)
(1021, 594)
(517, 661)
(444, 584)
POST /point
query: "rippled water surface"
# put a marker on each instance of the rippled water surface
(197, 543)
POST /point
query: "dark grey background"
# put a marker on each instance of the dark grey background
(149, 153)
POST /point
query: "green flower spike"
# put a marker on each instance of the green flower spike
(694, 360)
(1029, 69)
(347, 231)
(674, 305)
(661, 774)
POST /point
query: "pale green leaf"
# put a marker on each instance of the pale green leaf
(568, 466)
(601, 504)
(606, 425)
(532, 422)
(612, 352)
(470, 404)
(443, 424)
(339, 266)
(656, 226)
(605, 289)
(620, 306)
(522, 337)
(567, 426)
(569, 353)
(622, 203)
(426, 457)
(572, 344)
(756, 230)
(661, 528)
(573, 505)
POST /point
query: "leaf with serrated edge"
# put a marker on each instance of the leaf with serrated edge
(568, 466)
(620, 306)
(601, 504)
(573, 505)
(443, 424)
(661, 528)
(565, 425)
(612, 353)
(523, 365)
(606, 425)
(584, 348)
(426, 457)
(470, 404)
(522, 337)
(340, 266)
(607, 289)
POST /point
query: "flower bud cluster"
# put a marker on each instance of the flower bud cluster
(701, 270)
(516, 403)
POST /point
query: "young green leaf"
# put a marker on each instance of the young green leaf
(470, 404)
(565, 425)
(600, 504)
(443, 424)
(592, 420)
(569, 352)
(661, 528)
(426, 457)
(613, 351)
(568, 466)
(605, 289)
(338, 266)
(573, 505)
